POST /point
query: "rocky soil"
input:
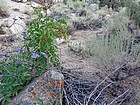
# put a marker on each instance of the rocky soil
(80, 72)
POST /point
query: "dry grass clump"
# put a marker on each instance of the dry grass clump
(116, 45)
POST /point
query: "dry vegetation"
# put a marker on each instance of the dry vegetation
(116, 45)
(115, 52)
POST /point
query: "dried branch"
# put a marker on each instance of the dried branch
(125, 97)
(102, 83)
(66, 96)
(101, 93)
(119, 96)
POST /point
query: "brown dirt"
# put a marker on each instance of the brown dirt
(83, 65)
(77, 62)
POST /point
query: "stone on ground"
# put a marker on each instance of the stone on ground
(47, 87)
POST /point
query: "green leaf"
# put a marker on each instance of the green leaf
(54, 103)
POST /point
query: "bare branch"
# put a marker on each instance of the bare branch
(119, 96)
(102, 82)
(101, 93)
(125, 97)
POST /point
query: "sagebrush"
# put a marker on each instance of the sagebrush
(116, 45)
(133, 10)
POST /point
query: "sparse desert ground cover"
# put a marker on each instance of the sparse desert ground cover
(69, 52)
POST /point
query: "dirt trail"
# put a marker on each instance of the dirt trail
(75, 61)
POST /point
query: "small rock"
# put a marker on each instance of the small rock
(59, 41)
(27, 9)
(25, 101)
(16, 18)
(107, 17)
(28, 22)
(34, 4)
(56, 17)
(18, 26)
(47, 87)
(24, 1)
(43, 13)
(8, 23)
(56, 75)
(73, 14)
(94, 7)
(48, 12)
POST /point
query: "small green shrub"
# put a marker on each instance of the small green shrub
(15, 75)
(40, 39)
(111, 3)
(65, 2)
(133, 10)
(39, 51)
(77, 5)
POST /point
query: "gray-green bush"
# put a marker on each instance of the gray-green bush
(133, 10)
(116, 45)
(112, 3)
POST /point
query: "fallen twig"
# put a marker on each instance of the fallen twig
(119, 97)
(102, 82)
(101, 93)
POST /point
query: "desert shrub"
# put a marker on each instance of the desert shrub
(75, 3)
(65, 2)
(133, 10)
(75, 46)
(111, 3)
(84, 24)
(116, 45)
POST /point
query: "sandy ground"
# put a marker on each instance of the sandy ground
(77, 62)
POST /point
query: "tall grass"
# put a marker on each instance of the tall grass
(116, 45)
